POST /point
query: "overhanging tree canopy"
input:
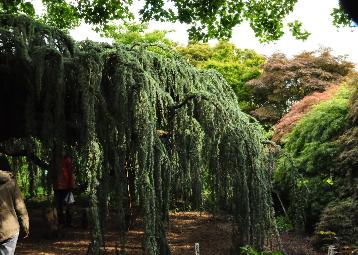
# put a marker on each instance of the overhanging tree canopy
(138, 119)
(207, 19)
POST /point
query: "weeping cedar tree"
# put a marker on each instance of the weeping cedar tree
(138, 120)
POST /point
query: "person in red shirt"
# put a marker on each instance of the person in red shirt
(63, 190)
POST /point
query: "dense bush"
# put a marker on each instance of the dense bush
(339, 219)
(308, 167)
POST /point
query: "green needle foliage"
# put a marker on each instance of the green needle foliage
(311, 169)
(140, 120)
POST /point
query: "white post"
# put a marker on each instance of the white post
(196, 246)
(331, 250)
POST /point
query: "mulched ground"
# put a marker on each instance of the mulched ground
(184, 230)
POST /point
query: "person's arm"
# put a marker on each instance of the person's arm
(21, 211)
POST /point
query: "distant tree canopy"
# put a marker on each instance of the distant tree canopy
(136, 33)
(237, 66)
(285, 81)
(208, 19)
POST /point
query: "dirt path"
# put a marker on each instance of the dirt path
(185, 229)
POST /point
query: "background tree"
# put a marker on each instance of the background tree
(236, 65)
(131, 33)
(285, 81)
(136, 34)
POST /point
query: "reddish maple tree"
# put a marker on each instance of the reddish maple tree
(298, 110)
(285, 81)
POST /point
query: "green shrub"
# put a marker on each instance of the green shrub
(306, 169)
(283, 224)
(247, 250)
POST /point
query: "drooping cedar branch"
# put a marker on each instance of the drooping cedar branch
(198, 95)
(184, 102)
(29, 155)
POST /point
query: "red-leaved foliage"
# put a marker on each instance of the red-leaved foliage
(298, 110)
(285, 81)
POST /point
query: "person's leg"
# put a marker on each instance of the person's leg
(68, 216)
(60, 197)
(8, 247)
(68, 212)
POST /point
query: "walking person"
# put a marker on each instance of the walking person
(13, 213)
(63, 191)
